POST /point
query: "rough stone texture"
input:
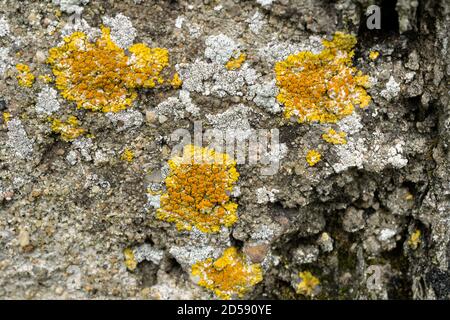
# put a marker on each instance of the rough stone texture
(68, 210)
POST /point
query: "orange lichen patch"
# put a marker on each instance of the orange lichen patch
(100, 76)
(127, 155)
(236, 63)
(334, 137)
(312, 157)
(25, 78)
(176, 81)
(322, 87)
(373, 55)
(69, 130)
(228, 276)
(198, 188)
(308, 283)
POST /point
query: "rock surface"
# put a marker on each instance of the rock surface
(370, 220)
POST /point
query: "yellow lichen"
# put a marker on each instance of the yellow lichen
(146, 65)
(414, 240)
(46, 78)
(236, 63)
(373, 55)
(127, 155)
(25, 78)
(331, 136)
(176, 81)
(308, 284)
(312, 157)
(6, 117)
(198, 188)
(130, 260)
(322, 87)
(228, 276)
(69, 130)
(100, 76)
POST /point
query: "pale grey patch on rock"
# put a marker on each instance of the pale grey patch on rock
(5, 60)
(256, 22)
(305, 254)
(214, 79)
(385, 151)
(179, 22)
(265, 3)
(47, 102)
(153, 200)
(130, 118)
(169, 287)
(264, 96)
(4, 27)
(189, 255)
(100, 157)
(18, 139)
(386, 234)
(264, 195)
(71, 6)
(266, 232)
(350, 154)
(220, 48)
(276, 51)
(72, 157)
(195, 30)
(380, 153)
(80, 25)
(148, 253)
(351, 124)
(233, 122)
(122, 31)
(392, 89)
(179, 107)
(84, 146)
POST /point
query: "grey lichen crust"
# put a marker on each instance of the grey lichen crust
(47, 102)
(122, 30)
(18, 140)
(78, 216)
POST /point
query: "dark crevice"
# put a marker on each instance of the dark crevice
(146, 271)
(173, 266)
